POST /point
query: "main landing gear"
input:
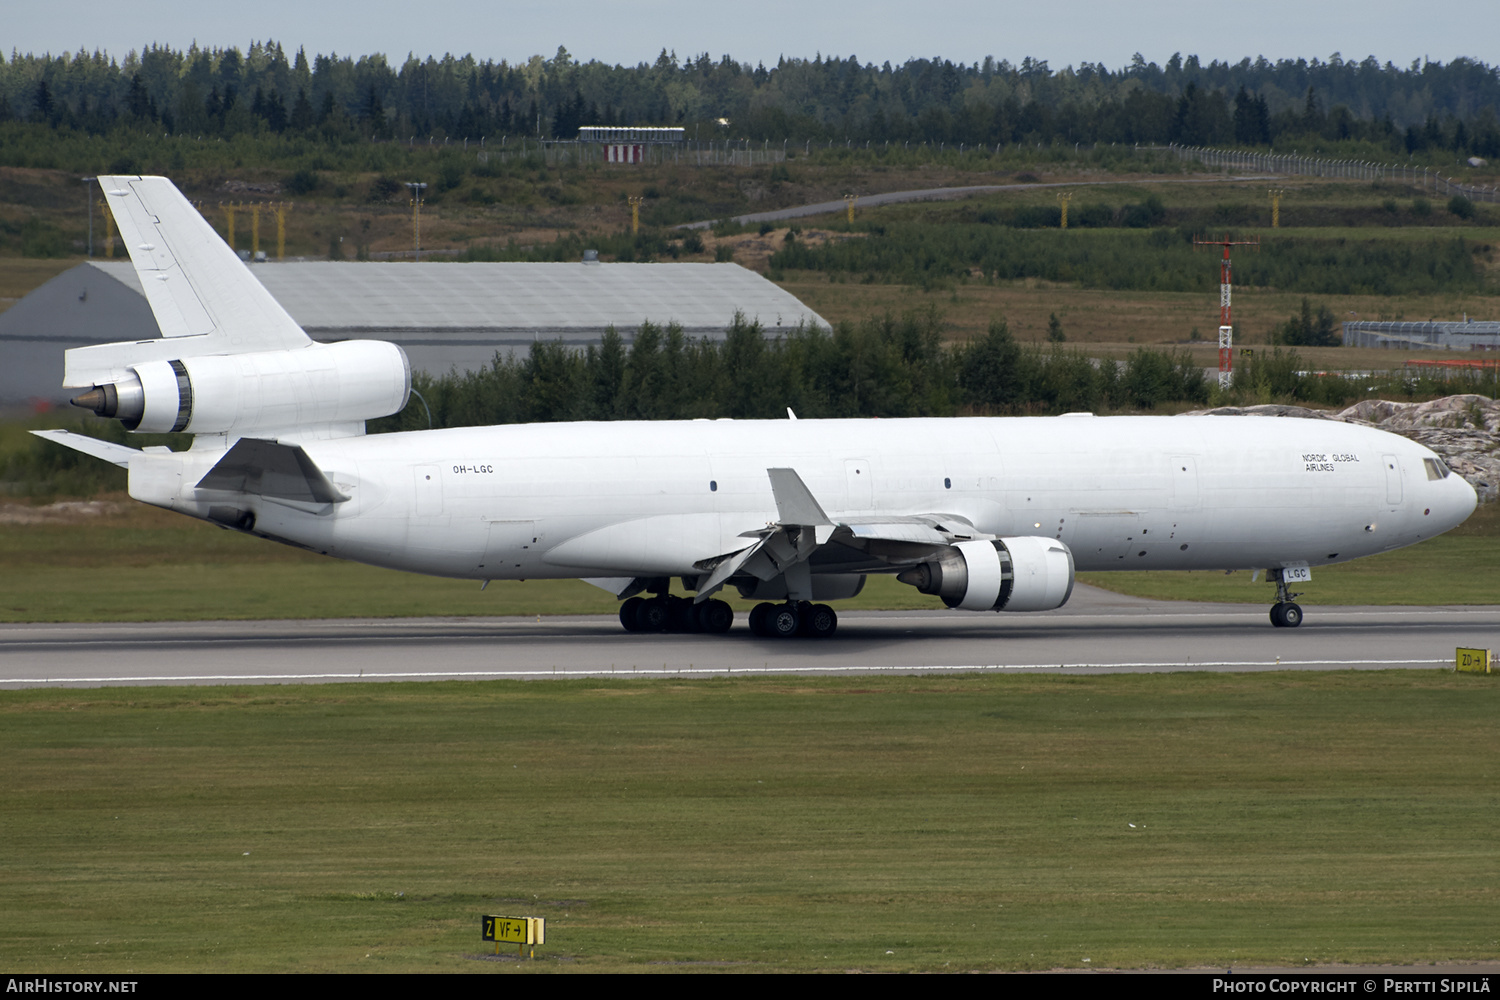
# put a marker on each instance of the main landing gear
(1284, 613)
(799, 618)
(669, 613)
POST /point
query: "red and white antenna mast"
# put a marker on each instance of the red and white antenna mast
(1226, 327)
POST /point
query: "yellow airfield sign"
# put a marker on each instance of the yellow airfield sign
(1474, 661)
(521, 931)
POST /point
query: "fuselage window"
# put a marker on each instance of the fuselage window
(1435, 468)
(713, 486)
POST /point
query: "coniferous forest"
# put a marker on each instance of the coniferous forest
(1422, 109)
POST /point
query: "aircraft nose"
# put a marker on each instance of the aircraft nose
(1460, 499)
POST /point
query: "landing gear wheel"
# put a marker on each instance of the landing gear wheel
(818, 621)
(715, 616)
(758, 618)
(1285, 614)
(628, 612)
(681, 615)
(651, 615)
(782, 620)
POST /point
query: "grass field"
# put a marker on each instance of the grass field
(1112, 324)
(934, 824)
(142, 564)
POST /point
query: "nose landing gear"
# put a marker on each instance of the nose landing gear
(1284, 613)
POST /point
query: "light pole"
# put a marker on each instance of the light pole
(416, 187)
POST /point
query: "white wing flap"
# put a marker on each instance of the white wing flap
(192, 279)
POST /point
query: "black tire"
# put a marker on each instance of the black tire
(783, 620)
(758, 618)
(1276, 615)
(715, 616)
(652, 615)
(819, 621)
(628, 612)
(681, 615)
(1291, 615)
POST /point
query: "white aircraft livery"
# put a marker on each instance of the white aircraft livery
(988, 514)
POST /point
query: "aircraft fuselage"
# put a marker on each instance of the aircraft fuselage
(651, 499)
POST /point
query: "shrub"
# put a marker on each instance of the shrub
(302, 182)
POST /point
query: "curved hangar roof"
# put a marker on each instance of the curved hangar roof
(443, 315)
(528, 299)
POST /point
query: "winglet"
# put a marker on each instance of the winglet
(795, 503)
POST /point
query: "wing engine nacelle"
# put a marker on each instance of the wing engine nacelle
(1028, 573)
(319, 384)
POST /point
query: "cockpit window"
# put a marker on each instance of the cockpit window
(1435, 468)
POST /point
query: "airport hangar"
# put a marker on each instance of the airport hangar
(444, 315)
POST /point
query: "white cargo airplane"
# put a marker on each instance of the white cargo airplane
(986, 513)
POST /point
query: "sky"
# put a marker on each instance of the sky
(632, 31)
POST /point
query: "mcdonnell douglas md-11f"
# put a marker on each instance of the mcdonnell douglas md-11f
(988, 514)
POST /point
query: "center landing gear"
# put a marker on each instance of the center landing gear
(799, 618)
(1284, 613)
(668, 613)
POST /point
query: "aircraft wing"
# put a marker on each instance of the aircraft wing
(805, 537)
(203, 296)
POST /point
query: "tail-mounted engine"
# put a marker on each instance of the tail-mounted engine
(1028, 573)
(318, 384)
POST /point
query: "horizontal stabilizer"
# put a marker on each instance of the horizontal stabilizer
(118, 454)
(273, 470)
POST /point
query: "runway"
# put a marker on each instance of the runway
(1097, 632)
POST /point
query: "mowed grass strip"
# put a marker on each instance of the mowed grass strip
(941, 823)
